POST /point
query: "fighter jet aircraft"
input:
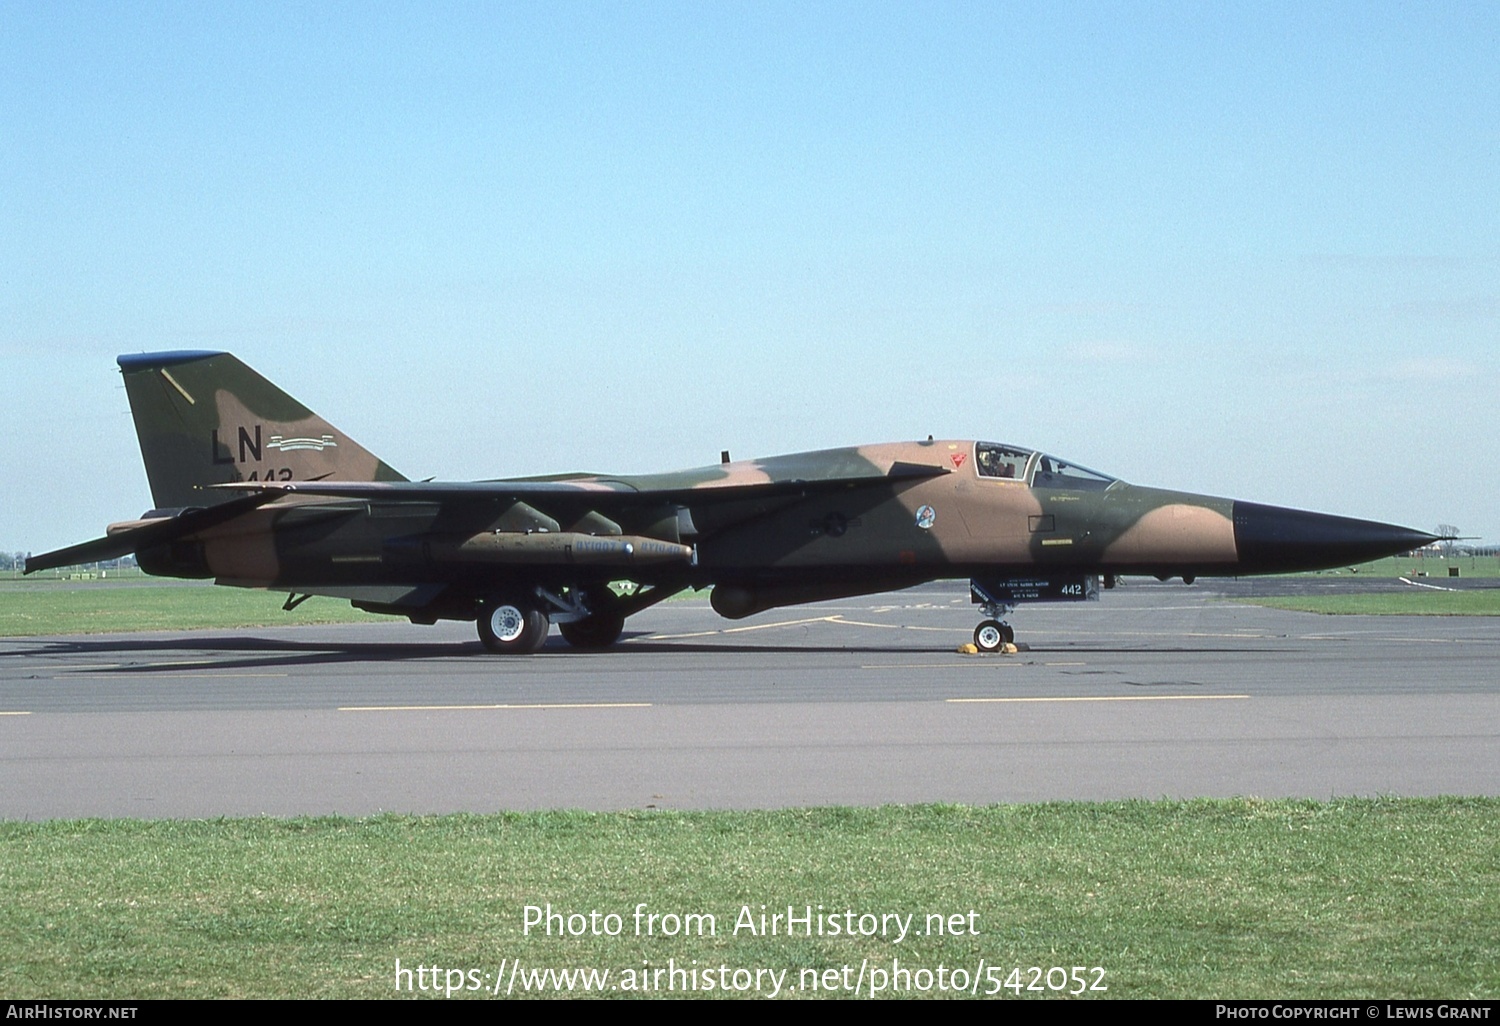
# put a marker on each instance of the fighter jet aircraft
(255, 490)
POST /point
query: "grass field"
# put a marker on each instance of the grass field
(1415, 602)
(1243, 898)
(1424, 567)
(133, 601)
(1428, 596)
(99, 607)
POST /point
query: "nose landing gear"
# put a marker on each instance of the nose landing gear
(993, 635)
(997, 596)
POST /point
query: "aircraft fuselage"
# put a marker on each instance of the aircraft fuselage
(255, 490)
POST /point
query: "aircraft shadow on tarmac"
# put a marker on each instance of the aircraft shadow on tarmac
(646, 644)
(240, 652)
(275, 651)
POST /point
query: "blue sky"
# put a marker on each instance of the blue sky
(1245, 249)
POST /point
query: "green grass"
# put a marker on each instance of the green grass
(1416, 602)
(1245, 898)
(1415, 567)
(74, 573)
(65, 608)
(133, 601)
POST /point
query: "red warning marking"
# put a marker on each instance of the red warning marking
(958, 459)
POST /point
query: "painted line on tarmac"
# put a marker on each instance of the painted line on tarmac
(1239, 635)
(739, 630)
(1102, 698)
(1007, 661)
(450, 708)
(1353, 636)
(137, 666)
(896, 626)
(782, 623)
(940, 666)
(181, 662)
(835, 618)
(16, 713)
(164, 676)
(1418, 584)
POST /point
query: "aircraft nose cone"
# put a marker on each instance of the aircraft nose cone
(1270, 539)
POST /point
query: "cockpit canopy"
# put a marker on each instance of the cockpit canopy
(1006, 462)
(992, 460)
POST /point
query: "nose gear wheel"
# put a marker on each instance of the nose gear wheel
(993, 635)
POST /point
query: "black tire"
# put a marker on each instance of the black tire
(989, 636)
(510, 628)
(600, 630)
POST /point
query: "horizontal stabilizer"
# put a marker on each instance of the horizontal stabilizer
(113, 546)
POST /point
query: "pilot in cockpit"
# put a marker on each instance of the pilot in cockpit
(993, 463)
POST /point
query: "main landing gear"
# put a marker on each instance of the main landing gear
(599, 629)
(591, 616)
(512, 627)
(517, 625)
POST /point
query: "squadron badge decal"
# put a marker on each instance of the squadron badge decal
(315, 444)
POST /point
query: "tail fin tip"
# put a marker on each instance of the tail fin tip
(139, 361)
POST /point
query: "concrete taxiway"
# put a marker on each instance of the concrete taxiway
(1156, 691)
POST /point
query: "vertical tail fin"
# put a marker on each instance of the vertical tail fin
(205, 418)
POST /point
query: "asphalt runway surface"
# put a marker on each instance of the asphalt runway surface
(1154, 691)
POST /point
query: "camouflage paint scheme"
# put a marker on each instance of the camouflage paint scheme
(255, 490)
